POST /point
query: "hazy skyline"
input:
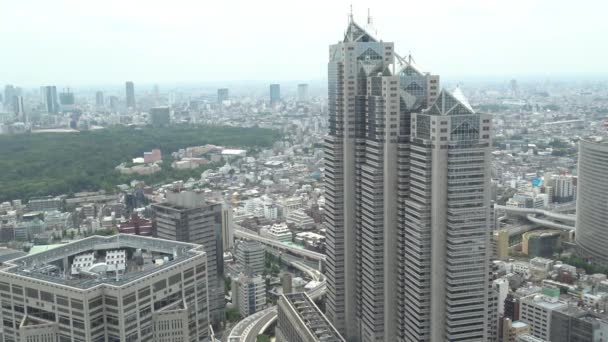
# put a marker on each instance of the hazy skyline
(76, 42)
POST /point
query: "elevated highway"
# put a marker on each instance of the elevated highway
(250, 327)
(542, 218)
(242, 233)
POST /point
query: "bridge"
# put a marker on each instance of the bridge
(242, 233)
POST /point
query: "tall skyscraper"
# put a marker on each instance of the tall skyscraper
(49, 95)
(591, 201)
(275, 93)
(187, 216)
(303, 92)
(9, 92)
(19, 109)
(130, 94)
(99, 99)
(156, 91)
(407, 174)
(222, 95)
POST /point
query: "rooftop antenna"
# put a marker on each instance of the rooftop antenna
(369, 17)
(350, 16)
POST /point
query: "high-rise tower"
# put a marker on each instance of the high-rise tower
(49, 96)
(275, 93)
(401, 207)
(130, 93)
(591, 201)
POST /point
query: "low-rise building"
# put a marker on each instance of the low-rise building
(511, 330)
(278, 231)
(577, 324)
(536, 310)
(300, 220)
(137, 226)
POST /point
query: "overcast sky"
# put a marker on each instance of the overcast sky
(90, 42)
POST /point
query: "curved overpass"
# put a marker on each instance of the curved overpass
(548, 223)
(547, 213)
(250, 327)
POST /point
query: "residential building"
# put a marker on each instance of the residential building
(591, 202)
(249, 294)
(148, 300)
(130, 94)
(189, 217)
(250, 255)
(511, 307)
(44, 204)
(563, 190)
(271, 211)
(300, 320)
(407, 200)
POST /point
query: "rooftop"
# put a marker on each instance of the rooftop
(53, 265)
(318, 325)
(519, 324)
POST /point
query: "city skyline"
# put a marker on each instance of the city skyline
(527, 38)
(379, 185)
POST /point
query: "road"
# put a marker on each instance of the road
(250, 327)
(545, 218)
(243, 233)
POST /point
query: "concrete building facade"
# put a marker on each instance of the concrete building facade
(249, 294)
(251, 256)
(188, 216)
(147, 301)
(591, 203)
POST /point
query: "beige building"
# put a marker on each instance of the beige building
(511, 330)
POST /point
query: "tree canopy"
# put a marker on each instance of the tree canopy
(62, 163)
